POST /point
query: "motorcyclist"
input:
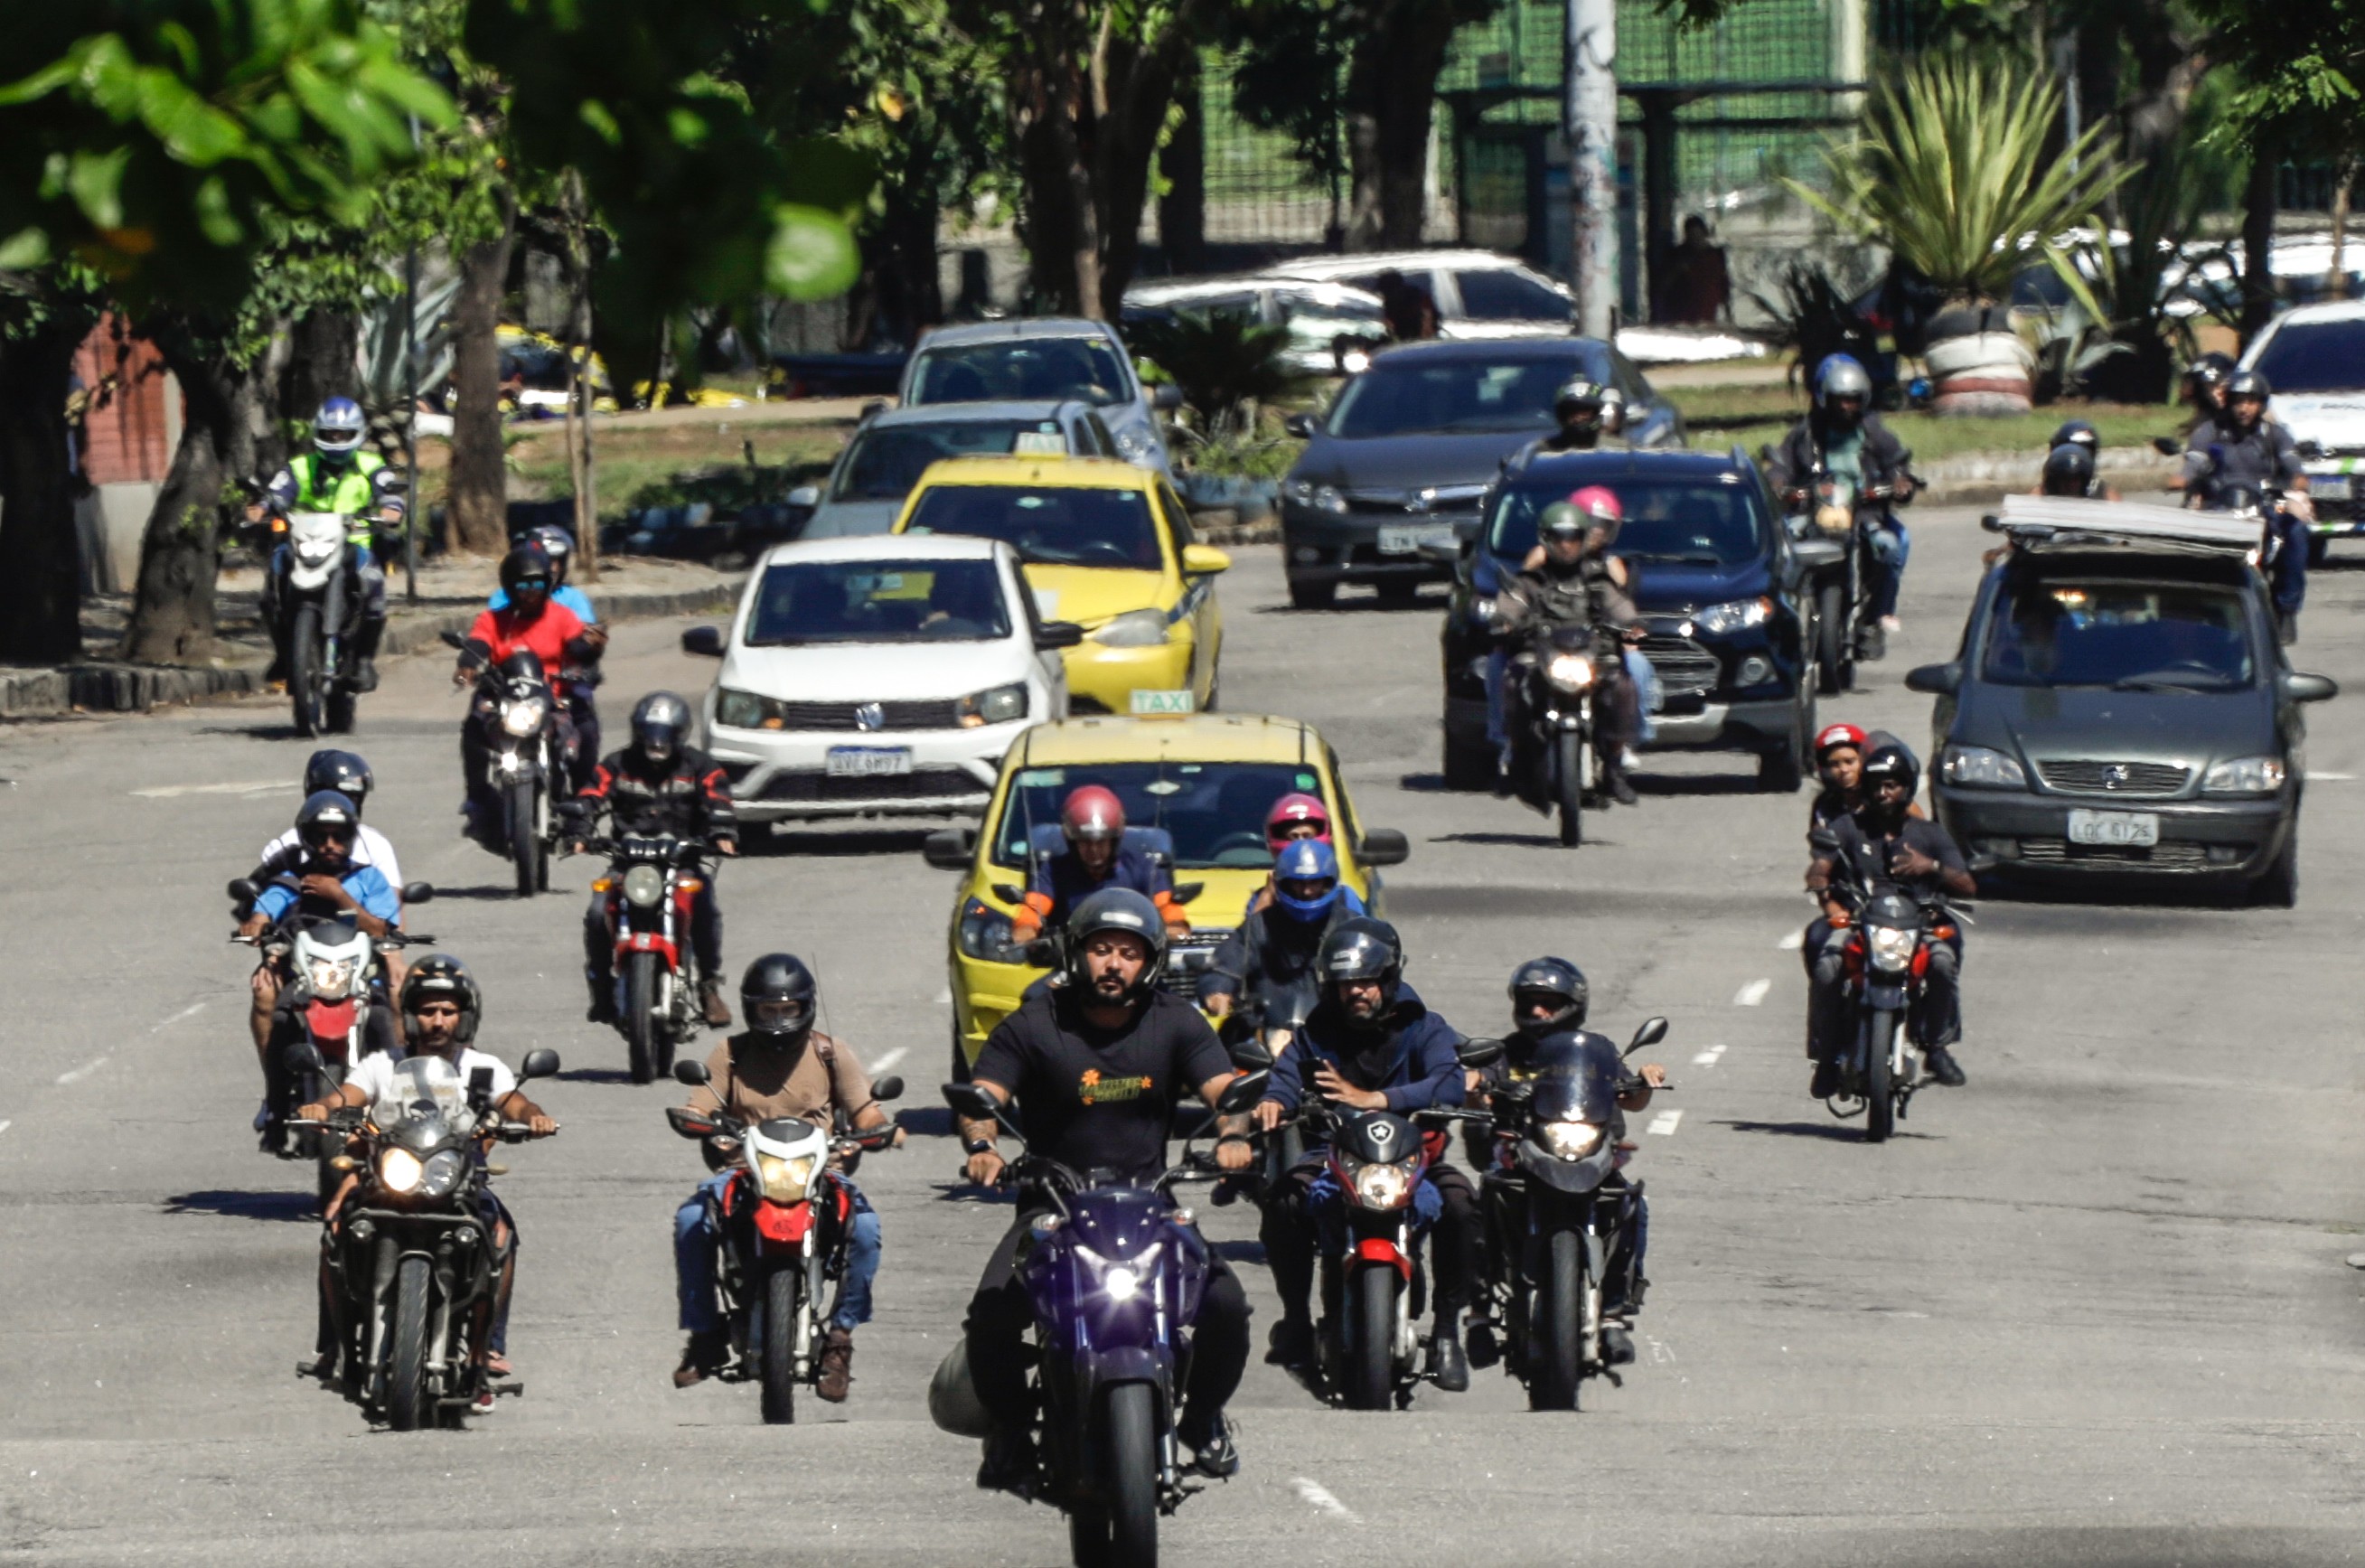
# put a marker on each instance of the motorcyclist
(2230, 462)
(1883, 847)
(531, 625)
(1848, 441)
(1583, 411)
(1278, 943)
(1095, 1062)
(349, 775)
(1091, 819)
(1839, 763)
(1368, 1045)
(1576, 582)
(2204, 385)
(576, 677)
(440, 1009)
(2069, 471)
(1294, 817)
(779, 1067)
(659, 784)
(337, 475)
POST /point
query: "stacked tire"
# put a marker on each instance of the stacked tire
(1978, 366)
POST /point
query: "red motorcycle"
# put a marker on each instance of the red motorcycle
(650, 886)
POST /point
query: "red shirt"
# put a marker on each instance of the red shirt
(546, 636)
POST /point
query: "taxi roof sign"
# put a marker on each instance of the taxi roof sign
(1156, 704)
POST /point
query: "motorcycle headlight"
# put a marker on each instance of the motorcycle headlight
(1383, 1186)
(1120, 1281)
(1482, 608)
(331, 979)
(313, 553)
(1892, 947)
(442, 1173)
(786, 1181)
(644, 885)
(398, 1171)
(1977, 767)
(1570, 672)
(1321, 498)
(2244, 776)
(1135, 629)
(984, 931)
(998, 706)
(1735, 615)
(524, 717)
(1568, 1140)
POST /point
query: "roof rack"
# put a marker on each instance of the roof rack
(2060, 522)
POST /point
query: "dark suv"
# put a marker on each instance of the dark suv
(1720, 583)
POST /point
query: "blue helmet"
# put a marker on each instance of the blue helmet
(1306, 860)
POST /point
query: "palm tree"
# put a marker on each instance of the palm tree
(1224, 361)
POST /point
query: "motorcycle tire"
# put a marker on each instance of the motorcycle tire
(1834, 660)
(525, 846)
(639, 1017)
(1880, 1092)
(1556, 1360)
(1368, 1378)
(783, 1299)
(303, 670)
(1127, 1529)
(408, 1403)
(1568, 786)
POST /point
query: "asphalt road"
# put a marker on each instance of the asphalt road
(2091, 1309)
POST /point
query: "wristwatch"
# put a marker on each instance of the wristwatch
(978, 1146)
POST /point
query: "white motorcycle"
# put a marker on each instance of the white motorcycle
(313, 601)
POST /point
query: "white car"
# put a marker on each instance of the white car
(2313, 356)
(1477, 293)
(879, 676)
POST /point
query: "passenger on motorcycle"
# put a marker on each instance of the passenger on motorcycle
(1573, 580)
(1097, 856)
(1368, 1045)
(441, 1008)
(1855, 449)
(337, 475)
(1280, 943)
(1839, 763)
(1095, 1062)
(1886, 847)
(576, 677)
(779, 1069)
(346, 773)
(659, 784)
(2229, 461)
(1296, 817)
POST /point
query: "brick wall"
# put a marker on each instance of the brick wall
(126, 428)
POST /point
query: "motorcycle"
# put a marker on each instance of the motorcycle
(1562, 672)
(528, 759)
(785, 1238)
(317, 606)
(1553, 1222)
(1115, 1272)
(650, 884)
(1846, 632)
(1886, 957)
(415, 1260)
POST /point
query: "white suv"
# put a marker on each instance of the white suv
(2313, 356)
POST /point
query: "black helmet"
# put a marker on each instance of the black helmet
(1891, 761)
(1116, 909)
(341, 771)
(1555, 977)
(2068, 470)
(2249, 384)
(439, 977)
(1364, 948)
(323, 811)
(1578, 392)
(2210, 369)
(524, 564)
(660, 724)
(2078, 433)
(775, 998)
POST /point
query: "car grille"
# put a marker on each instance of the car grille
(1446, 502)
(936, 713)
(921, 784)
(1684, 667)
(2171, 857)
(2114, 778)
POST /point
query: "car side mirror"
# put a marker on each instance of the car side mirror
(804, 496)
(1934, 680)
(541, 1062)
(1186, 891)
(1383, 846)
(1058, 635)
(1205, 560)
(888, 1088)
(967, 1100)
(1479, 1053)
(1166, 396)
(417, 893)
(1243, 1092)
(453, 639)
(1653, 1031)
(950, 848)
(2302, 688)
(690, 1073)
(1299, 425)
(704, 641)
(2167, 446)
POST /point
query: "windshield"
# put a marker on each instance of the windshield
(1022, 370)
(2319, 356)
(883, 465)
(1062, 525)
(2131, 636)
(1213, 811)
(1411, 396)
(1706, 521)
(1575, 1080)
(878, 602)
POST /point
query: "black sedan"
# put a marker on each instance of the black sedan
(1410, 444)
(1721, 585)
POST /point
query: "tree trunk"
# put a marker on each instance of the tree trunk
(2336, 278)
(322, 345)
(172, 615)
(38, 558)
(2258, 236)
(1183, 210)
(1391, 94)
(477, 492)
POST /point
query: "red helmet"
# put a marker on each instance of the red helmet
(1599, 505)
(1291, 810)
(1832, 735)
(1093, 813)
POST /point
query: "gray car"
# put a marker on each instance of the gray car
(2121, 709)
(1046, 357)
(893, 448)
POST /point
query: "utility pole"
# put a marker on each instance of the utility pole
(1590, 126)
(410, 410)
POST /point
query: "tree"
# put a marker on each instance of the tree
(44, 312)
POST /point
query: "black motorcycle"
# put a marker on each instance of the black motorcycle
(1887, 956)
(529, 764)
(1564, 672)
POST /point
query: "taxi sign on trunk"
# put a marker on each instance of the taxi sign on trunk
(1162, 704)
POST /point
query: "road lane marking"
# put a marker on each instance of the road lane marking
(1753, 993)
(945, 995)
(5, 1125)
(1793, 942)
(191, 1010)
(2331, 777)
(257, 787)
(1708, 1057)
(1318, 1495)
(85, 1070)
(889, 1058)
(1666, 1122)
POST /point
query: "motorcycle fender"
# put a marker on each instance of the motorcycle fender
(1380, 1250)
(784, 1225)
(1889, 998)
(1574, 1177)
(647, 942)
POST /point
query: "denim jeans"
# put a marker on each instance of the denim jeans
(1890, 546)
(697, 1233)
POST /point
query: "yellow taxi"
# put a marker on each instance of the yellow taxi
(1195, 787)
(1106, 546)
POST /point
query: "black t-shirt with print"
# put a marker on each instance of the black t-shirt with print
(1855, 844)
(1100, 1100)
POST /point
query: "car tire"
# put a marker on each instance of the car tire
(2279, 888)
(1469, 764)
(1305, 594)
(1781, 772)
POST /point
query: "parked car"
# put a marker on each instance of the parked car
(2120, 707)
(1721, 587)
(1478, 293)
(1332, 328)
(1044, 358)
(1401, 458)
(878, 675)
(865, 491)
(2313, 356)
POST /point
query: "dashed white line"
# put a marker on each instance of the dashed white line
(1793, 942)
(946, 994)
(1753, 993)
(2315, 778)
(889, 1058)
(1709, 1058)
(1666, 1122)
(1317, 1495)
(191, 1010)
(85, 1070)
(5, 1125)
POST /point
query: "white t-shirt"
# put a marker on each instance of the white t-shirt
(370, 848)
(427, 1077)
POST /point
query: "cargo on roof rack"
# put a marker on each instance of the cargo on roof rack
(2067, 523)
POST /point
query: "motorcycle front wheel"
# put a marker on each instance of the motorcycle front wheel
(1834, 658)
(303, 670)
(1368, 1377)
(1556, 1362)
(640, 1016)
(409, 1405)
(1569, 753)
(1120, 1526)
(783, 1299)
(525, 844)
(1880, 1095)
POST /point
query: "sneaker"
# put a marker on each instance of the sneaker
(1291, 1343)
(1944, 1067)
(837, 1365)
(718, 1011)
(1210, 1442)
(263, 1116)
(1615, 784)
(482, 1405)
(603, 1006)
(1448, 1364)
(364, 675)
(1627, 759)
(1890, 623)
(1617, 1346)
(1485, 1350)
(700, 1359)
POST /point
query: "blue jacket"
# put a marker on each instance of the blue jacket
(366, 883)
(566, 594)
(1063, 881)
(1422, 1069)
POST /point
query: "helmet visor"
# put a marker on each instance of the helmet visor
(777, 1015)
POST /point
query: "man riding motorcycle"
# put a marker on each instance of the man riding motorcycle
(1097, 856)
(337, 476)
(1887, 848)
(1280, 942)
(1855, 448)
(1368, 1045)
(659, 784)
(441, 1008)
(2230, 460)
(531, 622)
(1573, 580)
(576, 680)
(1095, 1062)
(1583, 412)
(779, 1067)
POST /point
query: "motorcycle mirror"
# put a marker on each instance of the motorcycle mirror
(888, 1088)
(1653, 1031)
(2167, 446)
(967, 1100)
(704, 641)
(690, 1072)
(1242, 1093)
(1008, 893)
(1249, 1056)
(539, 1063)
(453, 639)
(241, 891)
(1479, 1053)
(1186, 891)
(417, 893)
(1383, 846)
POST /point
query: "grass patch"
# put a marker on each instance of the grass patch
(676, 465)
(1933, 440)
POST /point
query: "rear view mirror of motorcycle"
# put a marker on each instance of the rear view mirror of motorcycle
(2167, 446)
(888, 1088)
(242, 892)
(1186, 891)
(417, 893)
(542, 1062)
(1008, 893)
(1479, 1053)
(1653, 1031)
(303, 1055)
(690, 1072)
(1242, 1093)
(967, 1100)
(453, 639)
(1251, 1056)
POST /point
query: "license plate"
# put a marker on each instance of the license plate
(867, 762)
(2328, 487)
(1405, 538)
(2119, 830)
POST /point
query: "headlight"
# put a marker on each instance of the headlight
(332, 977)
(1135, 629)
(1570, 672)
(746, 710)
(442, 1174)
(1977, 767)
(1321, 498)
(998, 706)
(522, 718)
(785, 1181)
(1892, 947)
(984, 931)
(1568, 1140)
(644, 885)
(2245, 776)
(1482, 608)
(398, 1171)
(1134, 442)
(1121, 1283)
(1382, 1186)
(313, 555)
(1736, 615)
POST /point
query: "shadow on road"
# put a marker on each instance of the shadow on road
(923, 1121)
(839, 842)
(255, 731)
(484, 892)
(247, 1206)
(1842, 1132)
(595, 1075)
(1678, 784)
(1524, 840)
(1364, 604)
